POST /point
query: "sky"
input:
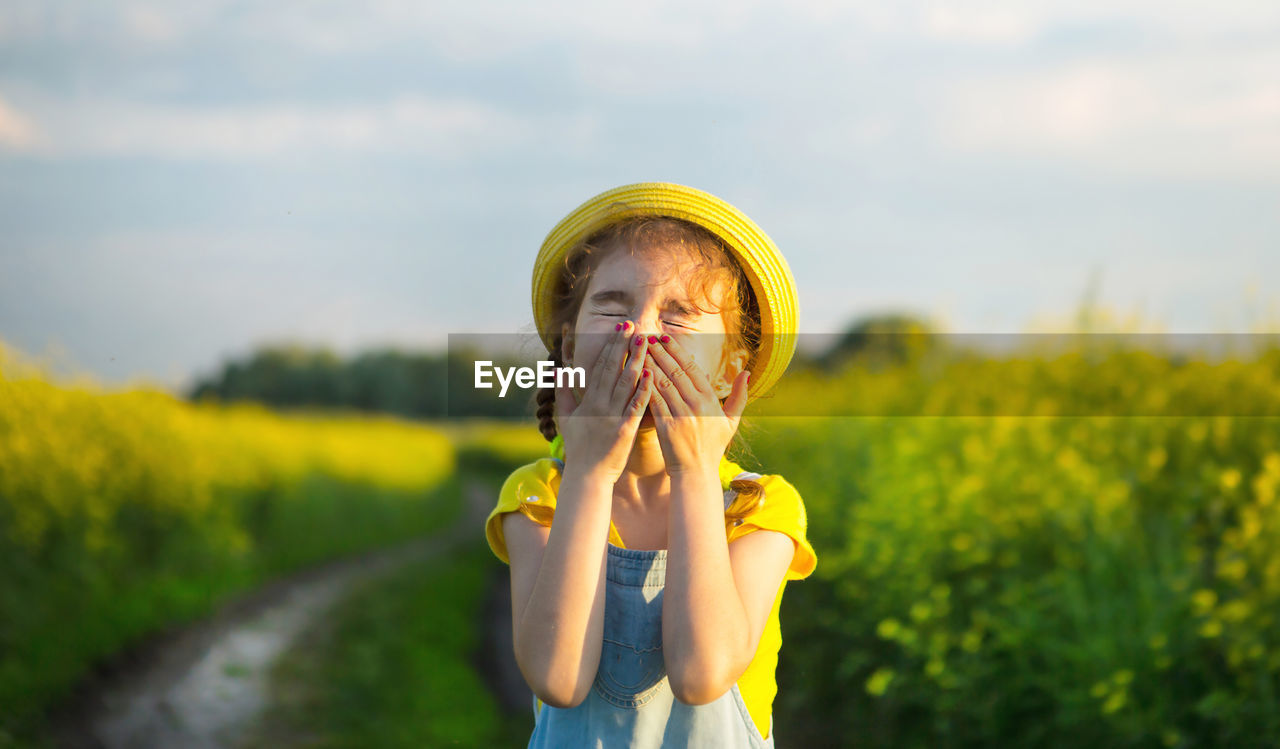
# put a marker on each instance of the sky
(183, 182)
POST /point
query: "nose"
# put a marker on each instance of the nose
(648, 324)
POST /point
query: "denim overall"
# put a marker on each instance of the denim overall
(630, 703)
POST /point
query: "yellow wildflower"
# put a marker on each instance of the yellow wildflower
(879, 681)
(1211, 628)
(1202, 601)
(888, 628)
(1230, 479)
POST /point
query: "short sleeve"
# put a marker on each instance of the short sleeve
(530, 490)
(782, 510)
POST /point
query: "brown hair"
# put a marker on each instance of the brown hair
(713, 265)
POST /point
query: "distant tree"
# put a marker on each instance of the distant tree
(283, 375)
(882, 340)
(413, 385)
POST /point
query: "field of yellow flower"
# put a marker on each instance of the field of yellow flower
(1077, 549)
(121, 512)
(991, 577)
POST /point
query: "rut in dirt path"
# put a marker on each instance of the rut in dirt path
(201, 688)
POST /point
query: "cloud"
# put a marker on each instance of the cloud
(16, 131)
(1172, 88)
(467, 30)
(993, 26)
(409, 124)
(1212, 114)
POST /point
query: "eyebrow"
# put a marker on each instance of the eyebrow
(683, 306)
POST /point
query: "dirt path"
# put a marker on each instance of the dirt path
(203, 686)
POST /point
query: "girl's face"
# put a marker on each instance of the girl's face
(649, 290)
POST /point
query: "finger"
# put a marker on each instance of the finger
(671, 368)
(658, 401)
(669, 392)
(687, 363)
(566, 402)
(640, 401)
(625, 387)
(604, 373)
(736, 403)
(621, 340)
(609, 353)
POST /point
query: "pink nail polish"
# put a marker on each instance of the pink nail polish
(639, 340)
(665, 339)
(653, 339)
(618, 326)
(644, 373)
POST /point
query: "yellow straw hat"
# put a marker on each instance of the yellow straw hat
(771, 281)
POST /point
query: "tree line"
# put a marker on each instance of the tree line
(440, 384)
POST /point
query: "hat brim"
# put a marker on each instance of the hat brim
(765, 268)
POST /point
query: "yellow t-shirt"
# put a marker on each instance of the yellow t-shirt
(532, 488)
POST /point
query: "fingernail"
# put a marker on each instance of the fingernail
(644, 373)
(618, 326)
(639, 340)
(653, 339)
(626, 325)
(665, 339)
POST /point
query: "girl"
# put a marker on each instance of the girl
(646, 614)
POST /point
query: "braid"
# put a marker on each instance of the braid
(546, 404)
(750, 497)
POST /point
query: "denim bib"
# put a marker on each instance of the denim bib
(630, 703)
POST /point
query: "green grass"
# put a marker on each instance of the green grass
(53, 642)
(393, 667)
